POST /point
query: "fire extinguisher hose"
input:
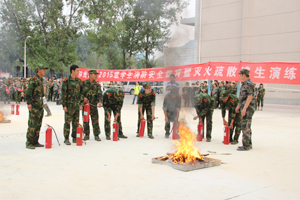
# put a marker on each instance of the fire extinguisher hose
(54, 133)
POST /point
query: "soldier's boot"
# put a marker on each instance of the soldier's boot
(86, 137)
(234, 142)
(122, 136)
(30, 146)
(74, 140)
(261, 109)
(151, 136)
(67, 142)
(39, 145)
(167, 135)
(97, 138)
(108, 137)
(208, 140)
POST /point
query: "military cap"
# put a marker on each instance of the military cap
(93, 72)
(244, 71)
(222, 82)
(40, 66)
(174, 91)
(223, 94)
(145, 85)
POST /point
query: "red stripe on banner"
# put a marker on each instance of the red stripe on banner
(266, 72)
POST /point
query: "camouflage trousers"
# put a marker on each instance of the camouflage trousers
(71, 116)
(95, 122)
(6, 98)
(209, 122)
(246, 127)
(34, 125)
(255, 104)
(216, 101)
(149, 119)
(236, 127)
(260, 101)
(17, 95)
(171, 116)
(12, 95)
(110, 110)
(55, 95)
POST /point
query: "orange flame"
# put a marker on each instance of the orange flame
(186, 149)
(1, 118)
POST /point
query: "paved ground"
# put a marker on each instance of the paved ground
(123, 169)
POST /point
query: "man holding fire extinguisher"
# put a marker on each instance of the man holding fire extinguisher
(34, 97)
(113, 102)
(171, 107)
(92, 95)
(71, 100)
(230, 102)
(204, 105)
(146, 102)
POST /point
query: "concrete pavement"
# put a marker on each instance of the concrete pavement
(123, 169)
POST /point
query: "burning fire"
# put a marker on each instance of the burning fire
(1, 118)
(186, 152)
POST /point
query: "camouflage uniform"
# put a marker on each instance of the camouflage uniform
(92, 91)
(55, 90)
(11, 90)
(204, 105)
(171, 105)
(233, 90)
(203, 88)
(146, 102)
(72, 99)
(6, 91)
(215, 96)
(113, 102)
(24, 89)
(17, 93)
(231, 105)
(247, 89)
(50, 90)
(254, 96)
(260, 97)
(34, 96)
(187, 94)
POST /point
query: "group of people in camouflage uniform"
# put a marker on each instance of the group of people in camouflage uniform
(75, 94)
(13, 89)
(223, 95)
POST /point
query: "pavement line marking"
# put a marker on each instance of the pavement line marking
(247, 193)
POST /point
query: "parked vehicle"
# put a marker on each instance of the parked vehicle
(129, 87)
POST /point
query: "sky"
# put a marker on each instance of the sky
(182, 34)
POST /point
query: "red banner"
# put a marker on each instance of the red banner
(266, 72)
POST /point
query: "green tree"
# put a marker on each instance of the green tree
(158, 16)
(53, 33)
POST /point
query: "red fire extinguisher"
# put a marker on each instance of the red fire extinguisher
(79, 135)
(200, 132)
(86, 112)
(115, 131)
(12, 108)
(7, 90)
(17, 109)
(142, 128)
(48, 142)
(226, 135)
(175, 131)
